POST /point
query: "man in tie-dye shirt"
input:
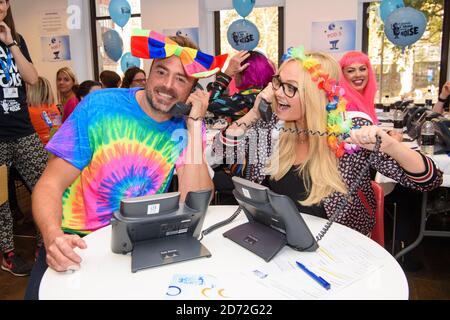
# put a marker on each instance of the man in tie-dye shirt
(118, 143)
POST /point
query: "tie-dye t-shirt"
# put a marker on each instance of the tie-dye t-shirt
(121, 153)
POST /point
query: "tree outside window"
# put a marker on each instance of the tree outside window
(411, 73)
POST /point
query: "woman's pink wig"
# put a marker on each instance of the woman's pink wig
(359, 102)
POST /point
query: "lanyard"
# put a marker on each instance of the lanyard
(7, 67)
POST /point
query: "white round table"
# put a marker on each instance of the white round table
(105, 275)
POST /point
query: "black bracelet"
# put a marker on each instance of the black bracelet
(442, 100)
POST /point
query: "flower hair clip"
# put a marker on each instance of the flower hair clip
(338, 126)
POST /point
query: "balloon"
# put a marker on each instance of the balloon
(389, 6)
(405, 26)
(129, 61)
(243, 35)
(112, 42)
(244, 7)
(120, 12)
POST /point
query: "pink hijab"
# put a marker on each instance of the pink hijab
(357, 101)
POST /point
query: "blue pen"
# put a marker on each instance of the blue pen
(318, 279)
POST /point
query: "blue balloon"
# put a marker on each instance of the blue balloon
(405, 26)
(243, 35)
(120, 12)
(243, 7)
(113, 44)
(389, 6)
(129, 61)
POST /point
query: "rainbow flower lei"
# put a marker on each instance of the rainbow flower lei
(338, 126)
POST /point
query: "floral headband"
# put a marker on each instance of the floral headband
(149, 44)
(338, 127)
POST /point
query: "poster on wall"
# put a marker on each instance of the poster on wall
(191, 33)
(55, 39)
(334, 37)
(55, 48)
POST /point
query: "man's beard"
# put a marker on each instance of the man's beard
(152, 104)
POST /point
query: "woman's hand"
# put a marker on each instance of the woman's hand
(5, 34)
(445, 90)
(235, 65)
(366, 138)
(396, 135)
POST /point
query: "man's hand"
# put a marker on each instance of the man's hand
(199, 101)
(235, 65)
(60, 254)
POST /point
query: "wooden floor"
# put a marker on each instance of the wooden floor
(431, 282)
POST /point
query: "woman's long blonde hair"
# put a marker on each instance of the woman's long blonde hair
(68, 72)
(320, 168)
(40, 93)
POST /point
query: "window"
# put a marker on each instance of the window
(269, 21)
(420, 67)
(101, 22)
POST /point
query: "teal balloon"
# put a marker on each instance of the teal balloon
(129, 61)
(389, 6)
(244, 7)
(113, 44)
(120, 12)
(405, 26)
(243, 35)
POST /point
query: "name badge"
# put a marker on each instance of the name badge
(9, 93)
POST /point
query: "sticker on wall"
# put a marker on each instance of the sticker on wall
(334, 37)
(56, 48)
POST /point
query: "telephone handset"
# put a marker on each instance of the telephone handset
(265, 110)
(180, 109)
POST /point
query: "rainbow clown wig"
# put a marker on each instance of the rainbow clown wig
(149, 44)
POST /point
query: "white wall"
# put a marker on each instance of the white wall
(27, 20)
(300, 13)
(166, 14)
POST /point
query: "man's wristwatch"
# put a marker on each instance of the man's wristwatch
(442, 100)
(14, 43)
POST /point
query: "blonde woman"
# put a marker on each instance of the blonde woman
(66, 85)
(315, 171)
(44, 113)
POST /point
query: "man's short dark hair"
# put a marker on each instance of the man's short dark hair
(110, 79)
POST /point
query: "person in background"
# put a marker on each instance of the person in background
(20, 146)
(80, 92)
(359, 82)
(134, 77)
(442, 105)
(66, 84)
(44, 113)
(110, 79)
(252, 72)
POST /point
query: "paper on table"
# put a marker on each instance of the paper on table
(340, 262)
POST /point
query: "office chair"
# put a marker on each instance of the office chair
(378, 230)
